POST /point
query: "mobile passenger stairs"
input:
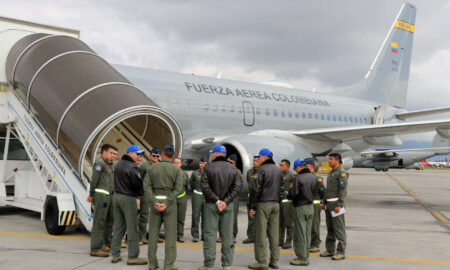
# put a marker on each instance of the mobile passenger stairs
(51, 101)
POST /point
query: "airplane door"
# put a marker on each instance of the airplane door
(249, 113)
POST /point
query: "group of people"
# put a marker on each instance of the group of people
(279, 201)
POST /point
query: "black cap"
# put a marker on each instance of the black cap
(169, 147)
(155, 150)
(309, 161)
(233, 157)
(204, 159)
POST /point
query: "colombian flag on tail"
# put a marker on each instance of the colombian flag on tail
(394, 47)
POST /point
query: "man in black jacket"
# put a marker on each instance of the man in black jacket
(221, 183)
(301, 193)
(128, 186)
(265, 196)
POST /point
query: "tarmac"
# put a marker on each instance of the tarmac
(395, 220)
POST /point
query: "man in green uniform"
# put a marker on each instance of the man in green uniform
(251, 176)
(198, 201)
(145, 201)
(221, 183)
(335, 194)
(100, 195)
(287, 210)
(265, 197)
(181, 203)
(128, 186)
(301, 193)
(163, 183)
(233, 160)
(319, 193)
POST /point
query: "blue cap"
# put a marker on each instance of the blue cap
(309, 161)
(265, 152)
(299, 162)
(134, 149)
(169, 147)
(155, 150)
(219, 149)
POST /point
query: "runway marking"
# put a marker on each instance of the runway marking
(46, 235)
(433, 212)
(244, 249)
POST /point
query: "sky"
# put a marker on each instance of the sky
(321, 45)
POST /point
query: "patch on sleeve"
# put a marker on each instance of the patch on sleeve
(98, 168)
(342, 183)
(320, 179)
(343, 174)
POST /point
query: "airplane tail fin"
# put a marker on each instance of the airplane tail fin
(386, 81)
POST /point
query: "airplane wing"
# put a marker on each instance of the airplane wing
(411, 114)
(432, 149)
(342, 134)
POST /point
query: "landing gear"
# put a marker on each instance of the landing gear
(51, 217)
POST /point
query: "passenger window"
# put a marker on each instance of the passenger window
(334, 118)
(316, 116)
(275, 112)
(267, 112)
(215, 108)
(224, 108)
(283, 114)
(231, 108)
(303, 115)
(345, 118)
(322, 117)
(258, 110)
(340, 118)
(206, 107)
(328, 117)
(290, 114)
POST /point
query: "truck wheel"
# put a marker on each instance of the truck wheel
(51, 218)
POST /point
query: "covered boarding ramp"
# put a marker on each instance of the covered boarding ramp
(81, 101)
(63, 101)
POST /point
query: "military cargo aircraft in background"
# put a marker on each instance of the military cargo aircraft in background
(383, 159)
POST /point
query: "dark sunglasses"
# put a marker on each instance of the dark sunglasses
(153, 155)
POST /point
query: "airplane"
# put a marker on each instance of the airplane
(383, 159)
(81, 102)
(62, 101)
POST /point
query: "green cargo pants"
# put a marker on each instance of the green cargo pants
(125, 219)
(102, 227)
(251, 225)
(302, 230)
(287, 221)
(181, 215)
(266, 226)
(335, 231)
(235, 217)
(222, 221)
(143, 217)
(169, 218)
(315, 230)
(198, 211)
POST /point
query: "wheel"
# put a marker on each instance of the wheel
(51, 218)
(376, 169)
(385, 170)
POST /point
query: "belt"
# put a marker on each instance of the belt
(286, 201)
(99, 190)
(332, 199)
(198, 192)
(317, 201)
(161, 197)
(181, 195)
